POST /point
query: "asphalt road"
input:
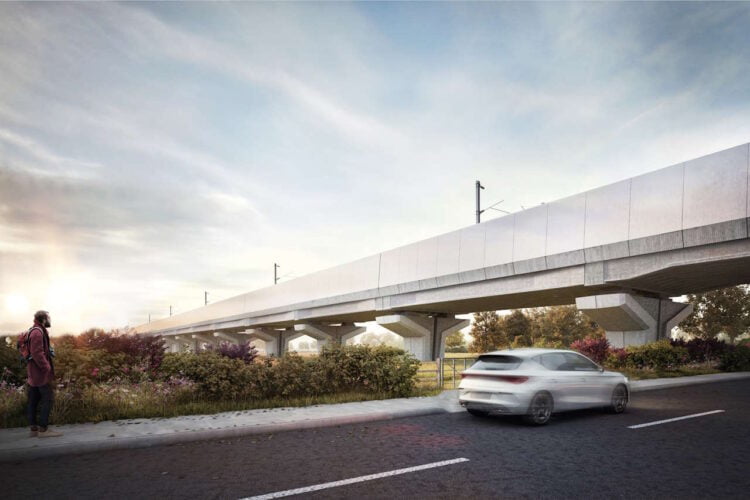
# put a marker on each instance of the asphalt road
(585, 454)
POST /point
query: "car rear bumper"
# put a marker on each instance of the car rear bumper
(497, 402)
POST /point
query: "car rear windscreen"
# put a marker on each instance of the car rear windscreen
(496, 362)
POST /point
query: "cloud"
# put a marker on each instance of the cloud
(60, 166)
(170, 150)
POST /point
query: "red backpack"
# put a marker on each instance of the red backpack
(24, 345)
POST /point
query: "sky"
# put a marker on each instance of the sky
(151, 152)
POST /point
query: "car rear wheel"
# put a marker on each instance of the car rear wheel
(477, 413)
(540, 409)
(619, 399)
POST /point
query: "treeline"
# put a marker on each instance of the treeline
(549, 326)
(722, 314)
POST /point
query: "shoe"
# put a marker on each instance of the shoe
(48, 434)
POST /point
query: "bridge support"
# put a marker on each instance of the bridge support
(200, 339)
(325, 333)
(633, 319)
(187, 343)
(424, 336)
(274, 341)
(172, 344)
(234, 338)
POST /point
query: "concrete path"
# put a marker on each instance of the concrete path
(79, 438)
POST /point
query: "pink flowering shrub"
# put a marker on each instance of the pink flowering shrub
(595, 348)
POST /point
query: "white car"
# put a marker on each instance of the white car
(538, 382)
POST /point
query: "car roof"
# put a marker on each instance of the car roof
(525, 352)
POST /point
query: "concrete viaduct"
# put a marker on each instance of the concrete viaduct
(618, 252)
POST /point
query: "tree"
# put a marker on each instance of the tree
(455, 342)
(726, 310)
(487, 332)
(560, 326)
(517, 327)
(381, 338)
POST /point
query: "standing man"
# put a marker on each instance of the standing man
(41, 373)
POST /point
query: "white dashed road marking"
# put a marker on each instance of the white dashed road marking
(359, 479)
(658, 422)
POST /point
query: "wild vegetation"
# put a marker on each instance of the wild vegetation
(110, 375)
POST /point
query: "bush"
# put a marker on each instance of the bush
(702, 350)
(139, 349)
(379, 369)
(617, 357)
(12, 404)
(656, 355)
(595, 348)
(215, 376)
(11, 369)
(735, 359)
(369, 368)
(245, 351)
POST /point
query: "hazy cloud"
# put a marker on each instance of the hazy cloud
(151, 151)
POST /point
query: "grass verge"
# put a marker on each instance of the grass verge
(103, 409)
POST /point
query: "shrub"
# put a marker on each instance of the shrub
(595, 348)
(245, 351)
(369, 368)
(617, 357)
(139, 349)
(12, 404)
(378, 369)
(735, 359)
(215, 376)
(702, 350)
(11, 369)
(90, 366)
(656, 355)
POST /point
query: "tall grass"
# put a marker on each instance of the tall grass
(147, 400)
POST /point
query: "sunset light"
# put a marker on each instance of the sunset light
(16, 304)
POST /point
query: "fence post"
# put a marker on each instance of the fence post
(440, 373)
(454, 372)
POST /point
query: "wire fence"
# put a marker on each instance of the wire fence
(445, 373)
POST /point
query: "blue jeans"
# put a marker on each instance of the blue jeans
(40, 398)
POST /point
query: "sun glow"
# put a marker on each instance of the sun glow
(16, 304)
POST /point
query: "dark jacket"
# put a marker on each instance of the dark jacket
(40, 369)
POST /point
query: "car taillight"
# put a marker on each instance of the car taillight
(513, 379)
